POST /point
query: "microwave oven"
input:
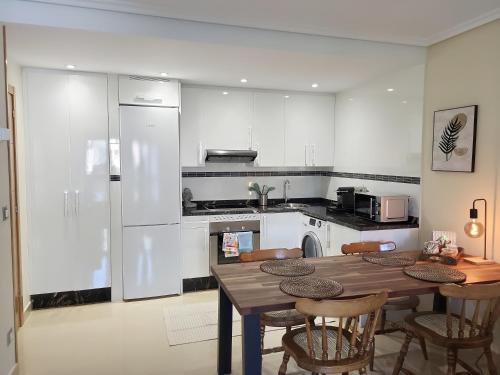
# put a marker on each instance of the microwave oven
(381, 208)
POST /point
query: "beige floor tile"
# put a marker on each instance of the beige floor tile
(130, 339)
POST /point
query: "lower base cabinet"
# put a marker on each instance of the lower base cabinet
(405, 239)
(280, 230)
(195, 248)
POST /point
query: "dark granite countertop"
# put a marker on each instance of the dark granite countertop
(318, 209)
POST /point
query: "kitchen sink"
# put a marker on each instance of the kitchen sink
(292, 206)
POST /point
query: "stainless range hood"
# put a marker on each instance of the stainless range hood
(230, 156)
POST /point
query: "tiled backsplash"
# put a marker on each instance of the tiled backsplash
(231, 182)
(359, 176)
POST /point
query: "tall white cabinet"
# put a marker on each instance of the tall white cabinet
(68, 173)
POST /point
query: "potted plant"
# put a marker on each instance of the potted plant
(262, 194)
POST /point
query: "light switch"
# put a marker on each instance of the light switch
(4, 134)
(5, 213)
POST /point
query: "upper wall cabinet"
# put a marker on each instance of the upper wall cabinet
(292, 130)
(309, 121)
(212, 118)
(148, 91)
(268, 129)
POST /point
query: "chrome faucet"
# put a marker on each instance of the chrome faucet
(286, 185)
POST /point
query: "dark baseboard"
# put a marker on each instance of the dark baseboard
(72, 298)
(199, 283)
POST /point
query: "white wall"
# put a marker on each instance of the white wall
(7, 352)
(463, 71)
(14, 78)
(377, 131)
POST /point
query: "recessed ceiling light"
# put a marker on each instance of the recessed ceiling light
(224, 93)
(314, 85)
(404, 102)
(243, 80)
(287, 96)
(69, 66)
(390, 89)
(163, 74)
(351, 99)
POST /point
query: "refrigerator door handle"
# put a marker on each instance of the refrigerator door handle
(77, 202)
(65, 203)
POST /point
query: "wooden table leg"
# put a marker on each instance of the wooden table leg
(225, 334)
(252, 359)
(439, 304)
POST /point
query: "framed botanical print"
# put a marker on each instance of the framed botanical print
(454, 143)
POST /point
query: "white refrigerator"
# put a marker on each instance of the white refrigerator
(151, 203)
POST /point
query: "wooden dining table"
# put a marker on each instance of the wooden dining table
(252, 292)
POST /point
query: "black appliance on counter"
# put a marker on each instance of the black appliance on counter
(345, 198)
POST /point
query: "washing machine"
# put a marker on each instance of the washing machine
(315, 238)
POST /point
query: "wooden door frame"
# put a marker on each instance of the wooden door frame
(14, 204)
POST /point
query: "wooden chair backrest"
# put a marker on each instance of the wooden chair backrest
(481, 324)
(270, 254)
(360, 342)
(366, 247)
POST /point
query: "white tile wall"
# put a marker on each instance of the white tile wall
(214, 188)
(379, 187)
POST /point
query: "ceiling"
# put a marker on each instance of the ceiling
(421, 22)
(337, 65)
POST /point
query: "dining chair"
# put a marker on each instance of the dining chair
(283, 318)
(455, 331)
(393, 304)
(338, 347)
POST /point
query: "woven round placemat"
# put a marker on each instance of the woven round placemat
(436, 273)
(311, 287)
(287, 267)
(389, 259)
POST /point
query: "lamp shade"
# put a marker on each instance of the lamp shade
(474, 228)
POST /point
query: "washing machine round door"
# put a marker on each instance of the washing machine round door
(311, 245)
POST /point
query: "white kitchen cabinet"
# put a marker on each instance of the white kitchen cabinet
(321, 130)
(285, 130)
(405, 238)
(268, 129)
(195, 248)
(135, 90)
(309, 121)
(68, 189)
(280, 230)
(211, 119)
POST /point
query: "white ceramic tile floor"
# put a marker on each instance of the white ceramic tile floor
(130, 339)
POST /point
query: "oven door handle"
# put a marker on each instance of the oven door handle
(371, 208)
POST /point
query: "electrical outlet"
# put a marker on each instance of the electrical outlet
(10, 336)
(5, 213)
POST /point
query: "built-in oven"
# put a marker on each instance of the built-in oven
(381, 208)
(231, 224)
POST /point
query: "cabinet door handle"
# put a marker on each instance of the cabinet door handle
(65, 203)
(77, 202)
(201, 153)
(148, 100)
(207, 239)
(264, 227)
(249, 138)
(328, 236)
(313, 155)
(305, 154)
